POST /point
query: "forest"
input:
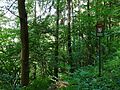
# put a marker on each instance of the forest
(59, 45)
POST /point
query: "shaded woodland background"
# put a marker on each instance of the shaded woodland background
(52, 44)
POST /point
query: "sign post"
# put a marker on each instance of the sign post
(99, 34)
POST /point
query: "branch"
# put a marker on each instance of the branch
(12, 13)
(8, 9)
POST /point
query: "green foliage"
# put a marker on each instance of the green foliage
(38, 84)
(86, 78)
(9, 58)
(42, 44)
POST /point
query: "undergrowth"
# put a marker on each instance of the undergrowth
(86, 78)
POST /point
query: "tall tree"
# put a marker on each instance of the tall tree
(89, 46)
(69, 35)
(56, 41)
(24, 42)
(34, 64)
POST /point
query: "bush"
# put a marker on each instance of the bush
(38, 84)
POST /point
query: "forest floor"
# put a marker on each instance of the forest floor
(86, 78)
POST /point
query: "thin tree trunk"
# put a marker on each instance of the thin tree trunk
(109, 26)
(69, 36)
(56, 42)
(89, 46)
(34, 64)
(79, 34)
(24, 42)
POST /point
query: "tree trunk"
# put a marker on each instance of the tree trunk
(24, 42)
(56, 42)
(34, 64)
(69, 36)
(89, 46)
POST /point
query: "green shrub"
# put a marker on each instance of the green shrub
(38, 84)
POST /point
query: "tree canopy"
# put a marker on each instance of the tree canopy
(59, 44)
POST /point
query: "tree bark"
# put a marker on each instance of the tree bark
(69, 35)
(24, 43)
(89, 46)
(56, 41)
